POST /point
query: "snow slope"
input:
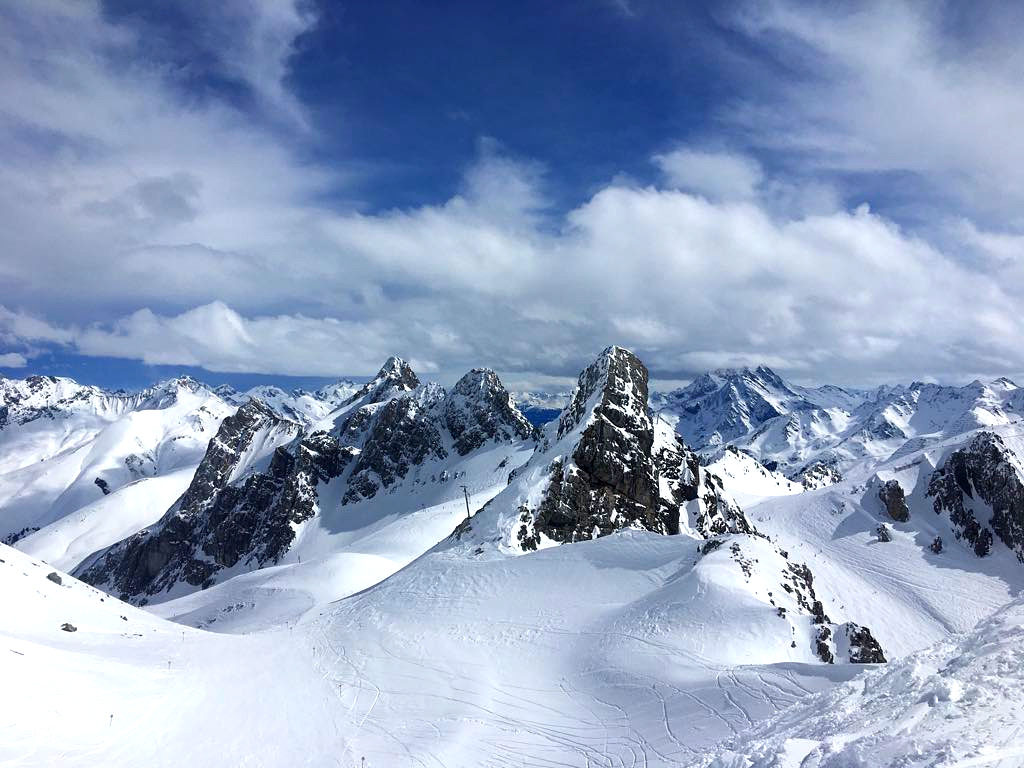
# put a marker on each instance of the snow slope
(127, 688)
(910, 596)
(594, 653)
(71, 539)
(346, 549)
(71, 453)
(957, 703)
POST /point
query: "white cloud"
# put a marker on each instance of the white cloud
(12, 360)
(145, 229)
(717, 175)
(894, 87)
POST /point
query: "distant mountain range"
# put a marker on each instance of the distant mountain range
(815, 434)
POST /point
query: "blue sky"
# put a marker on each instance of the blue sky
(292, 191)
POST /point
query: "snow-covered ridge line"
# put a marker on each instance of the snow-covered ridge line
(267, 483)
(815, 435)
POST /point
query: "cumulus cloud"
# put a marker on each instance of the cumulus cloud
(718, 175)
(12, 360)
(145, 228)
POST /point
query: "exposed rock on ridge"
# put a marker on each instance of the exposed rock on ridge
(985, 473)
(611, 481)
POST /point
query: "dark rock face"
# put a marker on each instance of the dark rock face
(982, 474)
(212, 525)
(612, 481)
(612, 478)
(714, 514)
(891, 495)
(864, 648)
(403, 433)
(54, 577)
(479, 409)
(936, 545)
(68, 627)
(102, 485)
(883, 532)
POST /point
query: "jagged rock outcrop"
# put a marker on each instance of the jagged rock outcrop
(890, 493)
(795, 601)
(395, 375)
(479, 409)
(602, 470)
(610, 480)
(979, 486)
(235, 516)
(696, 497)
(212, 525)
(861, 645)
(402, 433)
(818, 474)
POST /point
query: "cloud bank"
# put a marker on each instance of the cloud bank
(141, 224)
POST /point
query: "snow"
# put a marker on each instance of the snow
(139, 690)
(958, 703)
(379, 637)
(60, 456)
(98, 524)
(748, 480)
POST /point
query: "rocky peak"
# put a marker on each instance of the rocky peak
(394, 376)
(479, 408)
(402, 433)
(395, 370)
(618, 381)
(982, 478)
(610, 480)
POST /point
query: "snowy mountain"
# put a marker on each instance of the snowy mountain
(298, 405)
(67, 451)
(265, 484)
(541, 407)
(815, 435)
(604, 467)
(618, 596)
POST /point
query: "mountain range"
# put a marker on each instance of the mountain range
(400, 573)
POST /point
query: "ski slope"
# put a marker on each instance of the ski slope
(128, 688)
(587, 654)
(348, 548)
